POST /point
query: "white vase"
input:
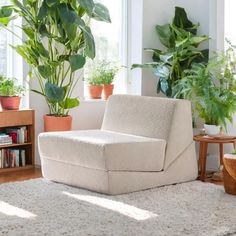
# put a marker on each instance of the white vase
(212, 130)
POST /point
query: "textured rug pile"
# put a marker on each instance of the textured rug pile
(40, 207)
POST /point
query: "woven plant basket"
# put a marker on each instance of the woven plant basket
(229, 174)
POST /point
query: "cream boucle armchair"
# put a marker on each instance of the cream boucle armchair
(144, 142)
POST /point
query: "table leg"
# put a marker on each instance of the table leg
(200, 158)
(234, 144)
(221, 153)
(203, 161)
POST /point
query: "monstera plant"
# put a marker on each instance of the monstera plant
(58, 42)
(181, 43)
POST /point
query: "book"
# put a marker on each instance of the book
(22, 157)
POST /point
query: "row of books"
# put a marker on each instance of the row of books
(10, 158)
(14, 135)
(5, 139)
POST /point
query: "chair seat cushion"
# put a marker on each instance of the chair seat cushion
(104, 150)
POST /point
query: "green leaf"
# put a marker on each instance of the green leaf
(38, 92)
(196, 40)
(164, 87)
(145, 65)
(181, 20)
(51, 3)
(166, 36)
(69, 20)
(44, 71)
(101, 13)
(6, 11)
(69, 103)
(87, 5)
(161, 71)
(43, 11)
(54, 93)
(29, 32)
(89, 42)
(77, 62)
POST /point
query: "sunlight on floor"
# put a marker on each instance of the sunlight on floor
(122, 208)
(10, 210)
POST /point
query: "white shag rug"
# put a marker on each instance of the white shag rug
(40, 207)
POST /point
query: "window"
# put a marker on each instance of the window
(230, 17)
(111, 42)
(11, 64)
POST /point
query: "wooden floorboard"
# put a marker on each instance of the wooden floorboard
(36, 173)
(20, 175)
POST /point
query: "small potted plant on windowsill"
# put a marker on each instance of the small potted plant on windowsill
(94, 86)
(10, 93)
(101, 78)
(108, 75)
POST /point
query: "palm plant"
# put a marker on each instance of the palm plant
(181, 44)
(59, 40)
(211, 88)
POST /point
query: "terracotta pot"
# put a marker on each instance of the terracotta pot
(55, 123)
(95, 91)
(10, 103)
(108, 90)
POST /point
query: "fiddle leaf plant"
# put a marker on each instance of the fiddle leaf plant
(181, 43)
(59, 40)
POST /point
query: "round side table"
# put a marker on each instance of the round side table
(204, 140)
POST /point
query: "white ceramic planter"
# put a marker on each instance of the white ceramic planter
(212, 130)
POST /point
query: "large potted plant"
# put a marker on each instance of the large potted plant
(10, 93)
(211, 88)
(58, 42)
(181, 43)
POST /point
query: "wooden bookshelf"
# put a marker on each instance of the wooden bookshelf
(19, 118)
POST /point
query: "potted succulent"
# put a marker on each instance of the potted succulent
(59, 41)
(211, 88)
(10, 93)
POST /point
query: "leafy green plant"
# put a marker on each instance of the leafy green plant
(10, 88)
(59, 42)
(102, 73)
(233, 152)
(181, 44)
(211, 88)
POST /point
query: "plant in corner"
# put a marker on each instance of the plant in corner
(59, 40)
(10, 93)
(212, 90)
(181, 44)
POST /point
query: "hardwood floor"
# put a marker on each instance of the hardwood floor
(20, 175)
(36, 173)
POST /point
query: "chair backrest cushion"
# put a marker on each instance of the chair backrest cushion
(139, 115)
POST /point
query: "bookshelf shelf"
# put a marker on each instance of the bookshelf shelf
(17, 119)
(15, 145)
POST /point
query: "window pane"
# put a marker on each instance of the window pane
(111, 41)
(11, 64)
(3, 46)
